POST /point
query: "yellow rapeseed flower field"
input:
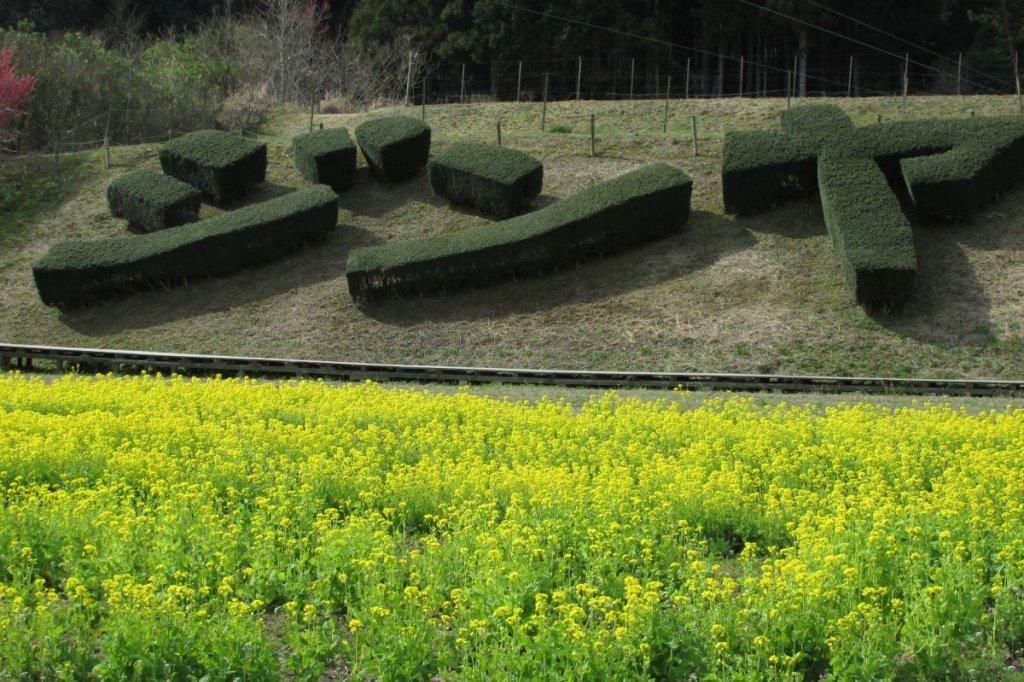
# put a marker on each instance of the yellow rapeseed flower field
(157, 528)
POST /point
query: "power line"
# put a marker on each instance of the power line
(859, 42)
(667, 43)
(902, 40)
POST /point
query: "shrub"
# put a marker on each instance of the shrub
(152, 201)
(221, 165)
(761, 169)
(868, 229)
(955, 184)
(499, 181)
(77, 272)
(632, 209)
(949, 167)
(395, 147)
(327, 157)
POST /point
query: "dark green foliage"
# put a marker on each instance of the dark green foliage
(870, 233)
(813, 126)
(949, 167)
(761, 169)
(395, 147)
(78, 272)
(632, 209)
(221, 165)
(153, 201)
(498, 181)
(326, 157)
(957, 183)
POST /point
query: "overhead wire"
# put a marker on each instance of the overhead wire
(903, 40)
(809, 24)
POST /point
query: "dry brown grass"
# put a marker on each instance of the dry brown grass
(758, 294)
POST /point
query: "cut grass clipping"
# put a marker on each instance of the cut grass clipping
(634, 208)
(498, 181)
(950, 168)
(326, 157)
(153, 201)
(223, 166)
(79, 272)
(395, 147)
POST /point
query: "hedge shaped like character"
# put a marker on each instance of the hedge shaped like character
(949, 167)
(498, 181)
(395, 147)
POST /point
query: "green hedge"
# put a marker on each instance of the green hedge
(609, 217)
(153, 201)
(870, 233)
(395, 147)
(498, 181)
(78, 272)
(221, 165)
(955, 184)
(762, 169)
(326, 157)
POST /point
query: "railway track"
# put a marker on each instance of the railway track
(93, 360)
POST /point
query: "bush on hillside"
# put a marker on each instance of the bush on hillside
(326, 156)
(395, 147)
(153, 201)
(612, 216)
(950, 168)
(868, 229)
(223, 166)
(498, 181)
(78, 272)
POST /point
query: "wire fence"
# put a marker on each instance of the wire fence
(633, 79)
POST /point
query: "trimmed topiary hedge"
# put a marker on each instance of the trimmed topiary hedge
(326, 157)
(153, 201)
(609, 217)
(950, 168)
(78, 272)
(395, 147)
(761, 170)
(223, 166)
(498, 181)
(868, 229)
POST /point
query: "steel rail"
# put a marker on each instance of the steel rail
(92, 360)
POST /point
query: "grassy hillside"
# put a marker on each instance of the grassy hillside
(763, 293)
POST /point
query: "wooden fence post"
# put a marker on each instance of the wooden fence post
(423, 102)
(1016, 80)
(497, 128)
(959, 68)
(686, 95)
(462, 86)
(579, 76)
(906, 80)
(693, 126)
(668, 95)
(849, 79)
(408, 78)
(592, 135)
(519, 83)
(632, 72)
(739, 90)
(544, 111)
